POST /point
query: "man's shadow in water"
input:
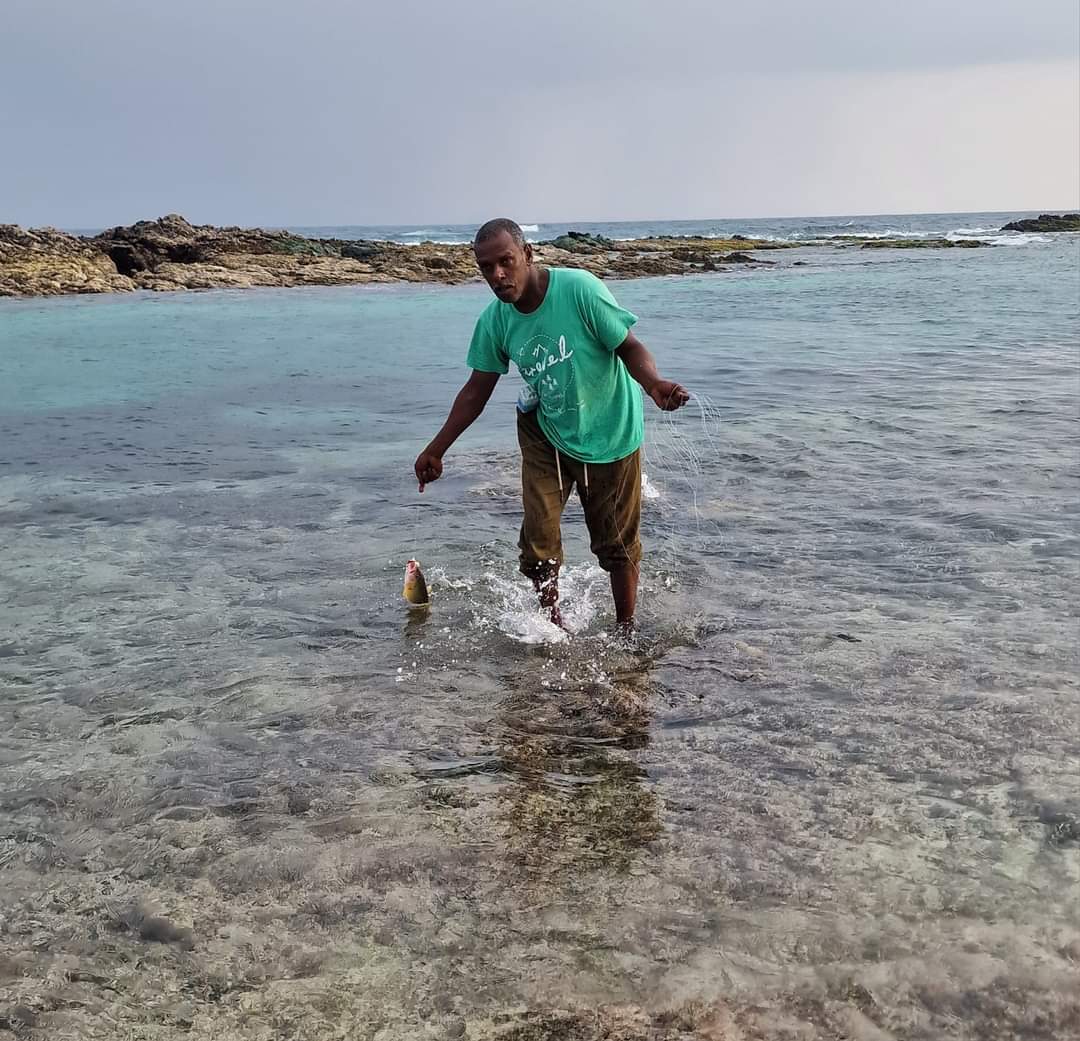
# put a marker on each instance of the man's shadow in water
(578, 800)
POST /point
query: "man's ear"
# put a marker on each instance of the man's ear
(528, 253)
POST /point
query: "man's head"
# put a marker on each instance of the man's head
(505, 259)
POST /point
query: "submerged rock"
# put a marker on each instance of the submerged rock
(158, 929)
(18, 1019)
(923, 243)
(738, 257)
(153, 928)
(1046, 222)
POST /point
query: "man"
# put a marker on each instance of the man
(580, 418)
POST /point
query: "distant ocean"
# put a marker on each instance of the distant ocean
(837, 777)
(985, 226)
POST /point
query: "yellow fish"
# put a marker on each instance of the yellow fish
(416, 590)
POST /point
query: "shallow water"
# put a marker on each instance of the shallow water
(834, 787)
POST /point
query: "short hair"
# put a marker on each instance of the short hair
(493, 227)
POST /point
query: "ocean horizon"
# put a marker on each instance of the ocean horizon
(962, 224)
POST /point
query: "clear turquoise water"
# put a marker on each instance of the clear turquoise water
(215, 708)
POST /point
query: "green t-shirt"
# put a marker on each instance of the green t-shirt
(590, 406)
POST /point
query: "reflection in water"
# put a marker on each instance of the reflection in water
(417, 622)
(578, 800)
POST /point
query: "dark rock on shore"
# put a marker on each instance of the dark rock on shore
(359, 251)
(582, 242)
(1046, 222)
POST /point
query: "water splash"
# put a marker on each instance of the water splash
(515, 612)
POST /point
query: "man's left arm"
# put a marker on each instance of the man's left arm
(667, 394)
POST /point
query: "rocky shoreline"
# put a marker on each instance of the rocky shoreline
(171, 254)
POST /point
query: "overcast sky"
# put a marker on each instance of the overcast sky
(418, 111)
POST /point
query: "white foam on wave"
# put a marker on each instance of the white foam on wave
(725, 236)
(1016, 240)
(529, 227)
(998, 239)
(888, 233)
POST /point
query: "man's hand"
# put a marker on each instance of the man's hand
(428, 468)
(642, 366)
(668, 395)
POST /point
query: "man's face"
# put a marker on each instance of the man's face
(506, 266)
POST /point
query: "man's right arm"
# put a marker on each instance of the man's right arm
(467, 407)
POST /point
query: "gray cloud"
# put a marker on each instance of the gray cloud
(245, 111)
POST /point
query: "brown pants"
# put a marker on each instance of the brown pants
(610, 494)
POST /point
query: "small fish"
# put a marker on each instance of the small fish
(416, 590)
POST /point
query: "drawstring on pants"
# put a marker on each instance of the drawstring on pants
(558, 470)
(558, 464)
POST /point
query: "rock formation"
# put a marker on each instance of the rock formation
(46, 262)
(172, 254)
(1046, 222)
